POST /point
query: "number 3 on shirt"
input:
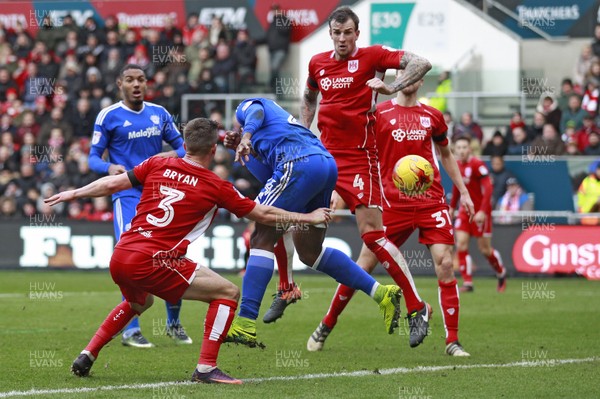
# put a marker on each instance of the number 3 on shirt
(358, 182)
(171, 195)
(440, 219)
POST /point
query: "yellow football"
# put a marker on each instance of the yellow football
(413, 175)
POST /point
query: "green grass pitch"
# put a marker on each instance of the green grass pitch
(522, 336)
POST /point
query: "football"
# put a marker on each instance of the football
(413, 175)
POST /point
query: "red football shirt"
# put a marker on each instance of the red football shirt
(179, 201)
(405, 131)
(348, 104)
(476, 177)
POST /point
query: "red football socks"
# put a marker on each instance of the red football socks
(117, 319)
(465, 266)
(284, 253)
(216, 325)
(496, 261)
(390, 257)
(449, 302)
(342, 296)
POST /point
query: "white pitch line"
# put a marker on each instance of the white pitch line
(360, 373)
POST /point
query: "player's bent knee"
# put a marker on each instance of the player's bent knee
(309, 257)
(232, 292)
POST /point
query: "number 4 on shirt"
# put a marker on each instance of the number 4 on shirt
(358, 182)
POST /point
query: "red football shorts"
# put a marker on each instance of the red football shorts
(473, 229)
(359, 180)
(433, 222)
(138, 274)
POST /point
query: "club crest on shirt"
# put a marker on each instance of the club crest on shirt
(155, 119)
(352, 66)
(425, 121)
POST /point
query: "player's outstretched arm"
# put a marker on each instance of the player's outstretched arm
(271, 216)
(100, 188)
(449, 163)
(308, 107)
(414, 69)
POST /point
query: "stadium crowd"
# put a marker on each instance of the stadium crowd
(53, 84)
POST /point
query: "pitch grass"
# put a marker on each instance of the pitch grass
(535, 320)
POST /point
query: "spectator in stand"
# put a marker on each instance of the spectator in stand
(156, 50)
(28, 125)
(101, 211)
(245, 57)
(59, 177)
(48, 34)
(520, 142)
(22, 46)
(581, 137)
(574, 113)
(191, 27)
(69, 45)
(218, 33)
(497, 146)
(596, 42)
(130, 42)
(515, 199)
(92, 46)
(549, 107)
(467, 127)
(566, 91)
(593, 148)
(27, 179)
(72, 78)
(571, 148)
(9, 161)
(535, 129)
(203, 61)
(35, 86)
(48, 66)
(57, 120)
(590, 97)
(515, 121)
(549, 143)
(588, 194)
(83, 119)
(91, 27)
(140, 57)
(444, 87)
(207, 84)
(84, 175)
(7, 126)
(110, 70)
(499, 175)
(112, 43)
(8, 208)
(169, 32)
(278, 39)
(40, 112)
(177, 66)
(223, 68)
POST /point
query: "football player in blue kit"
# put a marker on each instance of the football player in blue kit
(304, 175)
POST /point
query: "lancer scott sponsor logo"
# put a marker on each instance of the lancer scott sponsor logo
(149, 132)
(566, 249)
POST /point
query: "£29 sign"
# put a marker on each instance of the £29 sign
(563, 249)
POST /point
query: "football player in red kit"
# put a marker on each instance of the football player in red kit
(405, 126)
(476, 177)
(346, 77)
(180, 198)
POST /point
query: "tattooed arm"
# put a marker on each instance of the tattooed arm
(309, 106)
(413, 67)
